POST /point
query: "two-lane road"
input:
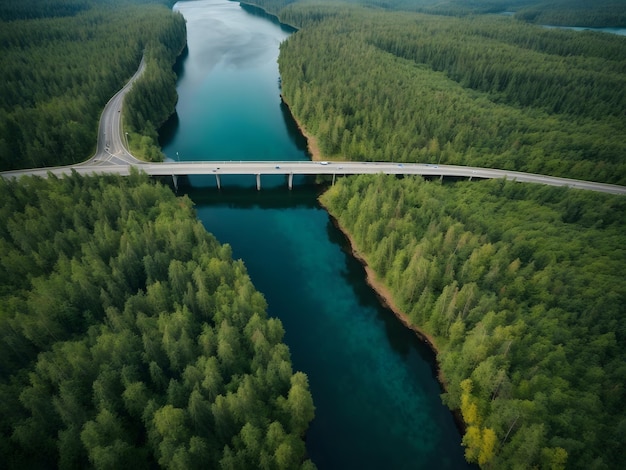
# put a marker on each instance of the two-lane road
(113, 157)
(359, 168)
(315, 168)
(112, 148)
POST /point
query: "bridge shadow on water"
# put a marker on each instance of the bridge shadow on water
(338, 330)
(277, 196)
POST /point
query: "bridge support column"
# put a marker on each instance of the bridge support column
(334, 179)
(441, 178)
(258, 182)
(175, 181)
(470, 179)
(290, 181)
(218, 181)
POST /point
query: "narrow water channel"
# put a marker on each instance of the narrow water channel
(373, 382)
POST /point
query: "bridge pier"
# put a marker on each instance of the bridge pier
(258, 182)
(218, 181)
(175, 181)
(290, 181)
(333, 179)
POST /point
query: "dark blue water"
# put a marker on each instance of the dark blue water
(373, 383)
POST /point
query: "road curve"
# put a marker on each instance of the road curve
(111, 148)
(112, 157)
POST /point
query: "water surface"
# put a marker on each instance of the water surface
(373, 382)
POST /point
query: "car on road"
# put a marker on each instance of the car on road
(323, 163)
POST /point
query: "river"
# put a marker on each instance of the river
(373, 382)
(618, 31)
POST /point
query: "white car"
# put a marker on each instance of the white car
(323, 163)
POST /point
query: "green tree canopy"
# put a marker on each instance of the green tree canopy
(522, 288)
(131, 338)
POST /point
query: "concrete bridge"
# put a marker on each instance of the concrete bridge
(289, 168)
(112, 157)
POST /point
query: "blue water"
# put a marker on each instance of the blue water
(618, 31)
(373, 382)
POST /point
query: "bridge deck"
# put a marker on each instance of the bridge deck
(315, 168)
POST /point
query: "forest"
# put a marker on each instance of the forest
(522, 289)
(596, 13)
(61, 61)
(599, 13)
(130, 338)
(485, 91)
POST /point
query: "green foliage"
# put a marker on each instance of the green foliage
(485, 91)
(599, 13)
(522, 287)
(153, 96)
(61, 64)
(130, 338)
(29, 9)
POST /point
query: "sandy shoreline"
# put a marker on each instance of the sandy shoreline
(311, 141)
(384, 295)
(382, 292)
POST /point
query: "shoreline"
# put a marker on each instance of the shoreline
(386, 299)
(382, 292)
(312, 145)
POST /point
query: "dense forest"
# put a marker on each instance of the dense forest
(599, 13)
(485, 91)
(131, 339)
(596, 13)
(60, 62)
(129, 336)
(522, 288)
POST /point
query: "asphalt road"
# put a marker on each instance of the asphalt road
(112, 148)
(117, 163)
(113, 157)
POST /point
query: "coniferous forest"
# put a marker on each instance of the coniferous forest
(486, 91)
(521, 288)
(131, 339)
(129, 336)
(61, 61)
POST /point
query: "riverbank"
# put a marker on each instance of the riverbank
(386, 298)
(382, 291)
(371, 278)
(312, 145)
(384, 294)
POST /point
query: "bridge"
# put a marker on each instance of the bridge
(112, 157)
(290, 168)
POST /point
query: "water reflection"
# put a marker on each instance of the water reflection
(377, 403)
